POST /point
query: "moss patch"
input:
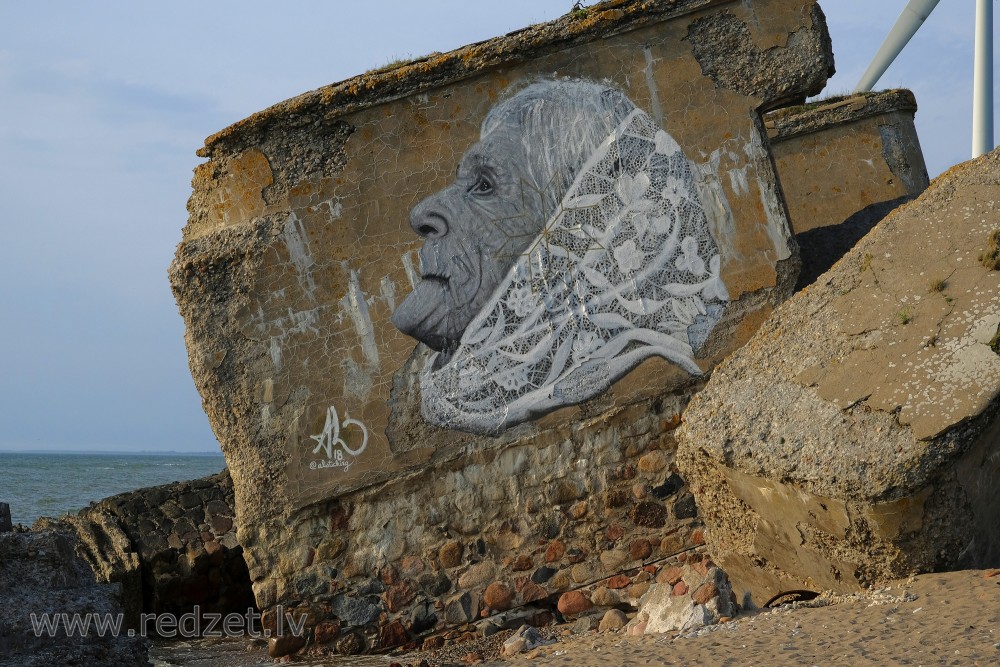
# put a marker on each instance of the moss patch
(991, 258)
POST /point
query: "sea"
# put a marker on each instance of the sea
(47, 484)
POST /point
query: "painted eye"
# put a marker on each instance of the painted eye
(481, 187)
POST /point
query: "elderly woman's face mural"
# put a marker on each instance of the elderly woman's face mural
(571, 247)
(473, 231)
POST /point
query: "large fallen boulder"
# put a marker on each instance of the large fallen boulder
(53, 610)
(172, 548)
(855, 438)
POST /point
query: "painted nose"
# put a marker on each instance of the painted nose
(428, 218)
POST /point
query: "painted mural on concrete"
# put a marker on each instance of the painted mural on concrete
(571, 246)
(583, 254)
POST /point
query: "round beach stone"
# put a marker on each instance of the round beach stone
(613, 619)
(278, 647)
(498, 596)
(585, 624)
(572, 603)
(605, 597)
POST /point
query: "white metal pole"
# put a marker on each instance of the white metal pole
(913, 16)
(982, 95)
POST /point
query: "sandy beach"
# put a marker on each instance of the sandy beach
(950, 618)
(936, 619)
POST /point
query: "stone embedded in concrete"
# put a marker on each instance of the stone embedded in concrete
(875, 453)
(498, 596)
(573, 603)
(299, 255)
(603, 596)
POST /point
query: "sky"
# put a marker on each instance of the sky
(103, 104)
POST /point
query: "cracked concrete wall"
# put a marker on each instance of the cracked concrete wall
(839, 156)
(298, 250)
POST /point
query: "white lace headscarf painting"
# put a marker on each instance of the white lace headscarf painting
(625, 269)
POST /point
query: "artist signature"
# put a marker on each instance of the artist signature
(331, 438)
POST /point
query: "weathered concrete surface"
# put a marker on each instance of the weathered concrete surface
(298, 250)
(839, 156)
(42, 573)
(820, 248)
(170, 547)
(856, 438)
(844, 163)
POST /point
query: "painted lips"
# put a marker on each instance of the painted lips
(435, 278)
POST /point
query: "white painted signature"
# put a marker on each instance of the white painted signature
(330, 438)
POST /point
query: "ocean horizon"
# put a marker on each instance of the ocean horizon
(53, 483)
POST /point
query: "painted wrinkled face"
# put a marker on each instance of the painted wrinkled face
(473, 232)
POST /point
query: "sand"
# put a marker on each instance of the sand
(935, 619)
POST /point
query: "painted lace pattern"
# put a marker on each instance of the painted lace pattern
(624, 270)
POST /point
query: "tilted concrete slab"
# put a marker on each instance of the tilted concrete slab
(617, 222)
(854, 439)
